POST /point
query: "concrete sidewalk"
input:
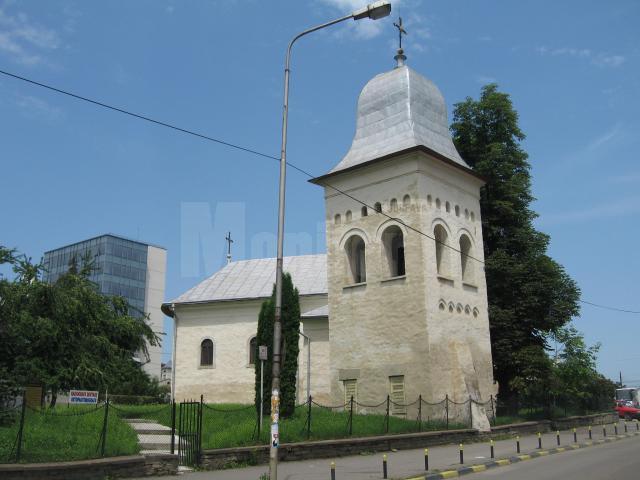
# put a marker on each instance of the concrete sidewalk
(405, 463)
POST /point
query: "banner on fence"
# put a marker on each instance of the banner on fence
(83, 396)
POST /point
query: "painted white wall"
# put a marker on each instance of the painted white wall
(230, 325)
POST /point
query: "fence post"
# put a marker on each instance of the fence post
(200, 429)
(420, 413)
(309, 419)
(386, 427)
(104, 428)
(351, 416)
(470, 412)
(24, 407)
(173, 427)
(446, 409)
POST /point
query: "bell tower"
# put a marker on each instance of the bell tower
(407, 293)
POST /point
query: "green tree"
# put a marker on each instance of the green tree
(66, 334)
(530, 295)
(290, 317)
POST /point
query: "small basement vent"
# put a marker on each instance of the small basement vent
(396, 393)
(350, 390)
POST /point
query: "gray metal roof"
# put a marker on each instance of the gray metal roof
(247, 279)
(398, 110)
(317, 312)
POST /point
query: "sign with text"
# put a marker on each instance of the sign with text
(83, 396)
(262, 352)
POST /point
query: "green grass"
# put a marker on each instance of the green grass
(234, 425)
(66, 433)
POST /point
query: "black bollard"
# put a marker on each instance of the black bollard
(625, 426)
(539, 440)
(333, 470)
(575, 436)
(461, 454)
(492, 451)
(590, 436)
(558, 437)
(384, 466)
(518, 444)
(604, 430)
(615, 428)
(426, 459)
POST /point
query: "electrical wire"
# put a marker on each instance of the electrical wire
(265, 155)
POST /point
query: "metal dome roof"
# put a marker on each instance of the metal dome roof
(398, 110)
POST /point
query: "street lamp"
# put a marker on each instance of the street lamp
(373, 11)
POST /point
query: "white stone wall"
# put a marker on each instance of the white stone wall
(154, 296)
(395, 326)
(230, 325)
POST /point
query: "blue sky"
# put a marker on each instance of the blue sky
(71, 171)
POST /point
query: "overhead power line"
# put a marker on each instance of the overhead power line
(264, 155)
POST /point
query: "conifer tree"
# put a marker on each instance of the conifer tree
(530, 295)
(290, 318)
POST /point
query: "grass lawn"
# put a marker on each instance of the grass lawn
(66, 433)
(233, 425)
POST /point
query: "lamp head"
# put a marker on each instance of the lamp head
(374, 11)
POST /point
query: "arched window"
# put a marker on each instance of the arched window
(437, 203)
(393, 242)
(347, 216)
(337, 219)
(363, 212)
(442, 251)
(394, 205)
(253, 348)
(447, 207)
(457, 209)
(206, 353)
(356, 265)
(378, 207)
(406, 201)
(466, 262)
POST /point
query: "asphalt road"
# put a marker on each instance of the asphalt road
(618, 460)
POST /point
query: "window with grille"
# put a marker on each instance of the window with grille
(206, 353)
(350, 390)
(396, 394)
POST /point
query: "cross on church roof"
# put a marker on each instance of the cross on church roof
(401, 31)
(229, 242)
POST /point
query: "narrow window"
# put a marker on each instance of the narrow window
(337, 219)
(396, 395)
(447, 207)
(350, 392)
(437, 203)
(347, 216)
(394, 205)
(363, 212)
(253, 347)
(356, 260)
(429, 200)
(457, 208)
(442, 251)
(466, 262)
(393, 242)
(206, 353)
(378, 207)
(406, 201)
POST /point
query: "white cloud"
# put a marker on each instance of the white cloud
(606, 137)
(34, 107)
(595, 58)
(362, 29)
(23, 40)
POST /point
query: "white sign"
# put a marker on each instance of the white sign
(262, 352)
(83, 396)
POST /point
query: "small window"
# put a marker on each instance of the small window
(356, 263)
(466, 262)
(457, 209)
(206, 353)
(337, 219)
(466, 214)
(347, 216)
(429, 200)
(442, 250)
(364, 212)
(437, 203)
(253, 350)
(396, 395)
(378, 207)
(473, 217)
(406, 201)
(350, 391)
(394, 205)
(393, 242)
(447, 207)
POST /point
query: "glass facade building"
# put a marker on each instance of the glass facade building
(127, 268)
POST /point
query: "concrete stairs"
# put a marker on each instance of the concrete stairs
(152, 437)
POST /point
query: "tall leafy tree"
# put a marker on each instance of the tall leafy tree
(290, 317)
(530, 295)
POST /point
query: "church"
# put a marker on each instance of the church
(397, 306)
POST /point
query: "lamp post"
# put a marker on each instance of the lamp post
(373, 11)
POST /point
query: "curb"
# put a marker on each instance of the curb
(481, 467)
